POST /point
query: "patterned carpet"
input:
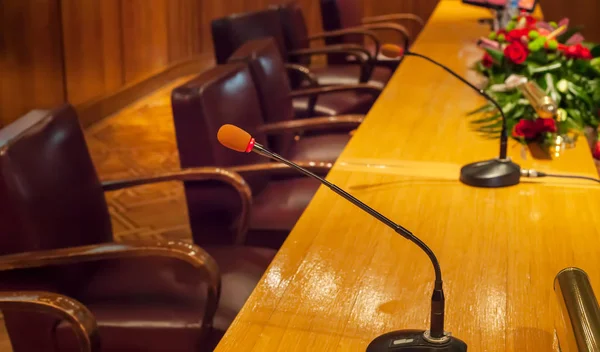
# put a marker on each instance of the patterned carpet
(138, 141)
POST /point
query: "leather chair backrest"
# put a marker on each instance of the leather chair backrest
(229, 33)
(331, 19)
(272, 83)
(351, 12)
(340, 14)
(295, 31)
(222, 95)
(50, 194)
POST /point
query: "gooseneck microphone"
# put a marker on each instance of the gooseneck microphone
(498, 172)
(434, 339)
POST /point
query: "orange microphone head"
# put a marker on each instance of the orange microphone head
(392, 51)
(235, 138)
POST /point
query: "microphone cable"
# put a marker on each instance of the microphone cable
(534, 173)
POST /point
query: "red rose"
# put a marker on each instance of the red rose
(530, 21)
(517, 34)
(578, 51)
(529, 129)
(546, 125)
(516, 52)
(585, 53)
(596, 151)
(487, 61)
(571, 51)
(525, 129)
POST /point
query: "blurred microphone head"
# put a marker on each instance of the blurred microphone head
(235, 138)
(392, 50)
(543, 104)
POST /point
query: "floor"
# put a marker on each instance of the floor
(140, 141)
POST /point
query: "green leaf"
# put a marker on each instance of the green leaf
(595, 89)
(486, 119)
(573, 124)
(596, 51)
(537, 57)
(542, 69)
(580, 93)
(551, 88)
(488, 130)
(595, 64)
(480, 68)
(496, 55)
(491, 136)
(498, 78)
(485, 108)
(519, 112)
(575, 114)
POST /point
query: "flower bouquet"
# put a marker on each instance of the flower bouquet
(558, 60)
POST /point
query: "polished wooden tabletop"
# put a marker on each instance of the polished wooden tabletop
(342, 278)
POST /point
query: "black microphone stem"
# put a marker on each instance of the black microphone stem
(438, 299)
(504, 132)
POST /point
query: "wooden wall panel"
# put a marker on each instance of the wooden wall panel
(184, 26)
(92, 48)
(144, 28)
(110, 45)
(30, 57)
(216, 9)
(580, 12)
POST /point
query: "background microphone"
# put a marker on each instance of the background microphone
(435, 339)
(544, 105)
(499, 172)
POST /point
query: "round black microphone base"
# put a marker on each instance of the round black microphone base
(493, 173)
(415, 340)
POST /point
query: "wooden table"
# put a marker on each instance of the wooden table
(341, 278)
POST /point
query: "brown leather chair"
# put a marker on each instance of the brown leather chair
(324, 137)
(231, 32)
(338, 16)
(226, 95)
(81, 320)
(297, 41)
(56, 236)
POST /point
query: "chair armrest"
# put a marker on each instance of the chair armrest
(312, 80)
(350, 49)
(312, 124)
(394, 17)
(350, 31)
(392, 27)
(226, 176)
(366, 88)
(192, 174)
(304, 72)
(82, 320)
(357, 51)
(188, 253)
(273, 169)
